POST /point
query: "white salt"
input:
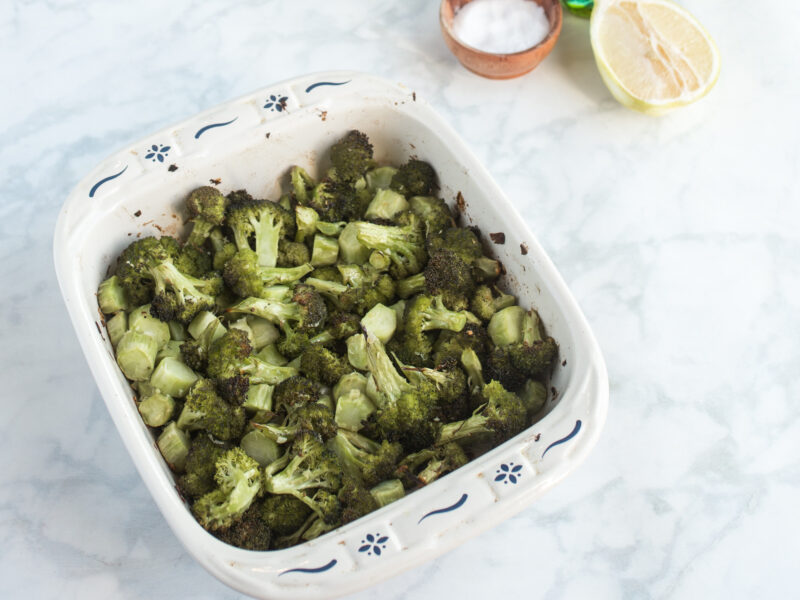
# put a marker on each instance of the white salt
(501, 26)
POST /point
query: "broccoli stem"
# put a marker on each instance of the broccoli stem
(262, 372)
(463, 430)
(357, 351)
(388, 491)
(273, 275)
(156, 409)
(177, 331)
(472, 365)
(353, 407)
(173, 377)
(306, 219)
(200, 324)
(380, 178)
(264, 332)
(411, 286)
(174, 446)
(531, 328)
(486, 269)
(330, 229)
(111, 296)
(533, 396)
(141, 321)
(439, 317)
(379, 261)
(351, 250)
(171, 349)
(381, 321)
(136, 355)
(325, 251)
(116, 327)
(260, 448)
(271, 310)
(505, 327)
(386, 204)
(259, 397)
(387, 379)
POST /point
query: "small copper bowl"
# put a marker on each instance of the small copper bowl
(500, 66)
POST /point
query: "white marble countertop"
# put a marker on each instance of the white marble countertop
(678, 235)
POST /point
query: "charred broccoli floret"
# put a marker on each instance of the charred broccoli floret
(199, 476)
(323, 365)
(305, 311)
(356, 500)
(205, 409)
(424, 314)
(179, 297)
(294, 392)
(360, 288)
(466, 245)
(206, 207)
(223, 249)
(428, 465)
(250, 531)
(434, 212)
(314, 417)
(266, 221)
(450, 345)
(284, 514)
(134, 263)
(246, 277)
(405, 412)
(487, 300)
(292, 254)
(415, 178)
(451, 387)
(307, 469)
(520, 342)
(239, 481)
(404, 245)
(351, 156)
(369, 461)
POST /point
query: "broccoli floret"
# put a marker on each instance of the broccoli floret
(306, 311)
(415, 178)
(134, 263)
(466, 245)
(500, 367)
(425, 466)
(358, 290)
(450, 345)
(451, 387)
(434, 212)
(284, 514)
(487, 300)
(295, 392)
(194, 352)
(323, 365)
(266, 221)
(307, 468)
(521, 345)
(199, 476)
(233, 368)
(179, 297)
(351, 156)
(247, 278)
(205, 409)
(315, 417)
(331, 199)
(356, 500)
(223, 249)
(405, 412)
(404, 245)
(206, 207)
(302, 184)
(292, 254)
(423, 314)
(192, 260)
(239, 481)
(250, 531)
(500, 416)
(370, 461)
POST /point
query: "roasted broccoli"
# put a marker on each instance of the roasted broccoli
(206, 207)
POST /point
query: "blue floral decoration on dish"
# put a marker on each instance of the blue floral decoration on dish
(509, 473)
(373, 544)
(276, 103)
(321, 83)
(157, 152)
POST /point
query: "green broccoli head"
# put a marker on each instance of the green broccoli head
(294, 392)
(179, 297)
(424, 314)
(247, 278)
(321, 364)
(369, 461)
(434, 212)
(205, 409)
(351, 156)
(425, 466)
(267, 222)
(501, 367)
(487, 300)
(250, 531)
(292, 254)
(405, 246)
(415, 178)
(534, 359)
(450, 345)
(239, 480)
(133, 267)
(448, 276)
(315, 417)
(284, 514)
(200, 466)
(356, 500)
(206, 207)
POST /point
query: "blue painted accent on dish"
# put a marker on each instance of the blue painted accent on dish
(572, 434)
(509, 473)
(321, 569)
(373, 544)
(157, 152)
(202, 130)
(321, 83)
(105, 180)
(276, 103)
(459, 503)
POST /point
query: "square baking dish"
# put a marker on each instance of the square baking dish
(250, 143)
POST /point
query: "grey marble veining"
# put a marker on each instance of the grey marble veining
(678, 235)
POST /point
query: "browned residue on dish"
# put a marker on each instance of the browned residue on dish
(523, 248)
(498, 238)
(216, 181)
(282, 104)
(555, 392)
(99, 330)
(460, 202)
(268, 134)
(172, 168)
(537, 437)
(323, 114)
(564, 363)
(414, 96)
(138, 213)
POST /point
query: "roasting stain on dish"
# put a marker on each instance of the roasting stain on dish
(498, 238)
(523, 248)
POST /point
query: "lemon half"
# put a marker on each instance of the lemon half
(652, 54)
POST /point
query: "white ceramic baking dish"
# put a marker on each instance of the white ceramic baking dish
(251, 142)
